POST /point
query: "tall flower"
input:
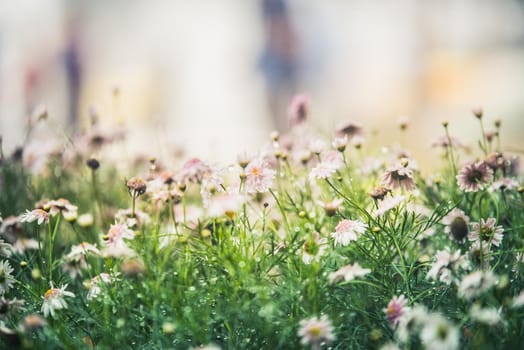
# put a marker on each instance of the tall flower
(347, 231)
(315, 331)
(54, 299)
(474, 176)
(259, 177)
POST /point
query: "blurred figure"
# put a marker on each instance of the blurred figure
(279, 60)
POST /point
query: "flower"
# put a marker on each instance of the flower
(38, 215)
(396, 309)
(54, 299)
(447, 262)
(225, 204)
(489, 316)
(298, 109)
(487, 231)
(340, 143)
(348, 273)
(456, 225)
(474, 176)
(6, 279)
(114, 241)
(314, 247)
(193, 171)
(331, 207)
(503, 184)
(315, 331)
(388, 204)
(349, 129)
(330, 163)
(95, 285)
(9, 307)
(6, 249)
(136, 186)
(59, 206)
(259, 177)
(399, 176)
(75, 261)
(347, 231)
(518, 301)
(438, 334)
(476, 283)
(22, 244)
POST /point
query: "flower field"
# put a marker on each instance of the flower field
(318, 240)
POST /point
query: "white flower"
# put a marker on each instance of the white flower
(347, 231)
(315, 331)
(259, 177)
(6, 249)
(387, 204)
(96, 282)
(476, 283)
(438, 334)
(6, 279)
(54, 299)
(447, 262)
(39, 215)
(330, 163)
(348, 273)
(489, 316)
(114, 241)
(518, 301)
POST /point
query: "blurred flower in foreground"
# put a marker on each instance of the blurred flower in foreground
(316, 332)
(348, 273)
(474, 176)
(395, 309)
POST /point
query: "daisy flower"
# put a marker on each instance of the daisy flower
(489, 315)
(298, 109)
(314, 247)
(330, 163)
(387, 204)
(39, 215)
(54, 299)
(476, 283)
(456, 225)
(115, 245)
(446, 264)
(316, 331)
(487, 231)
(438, 334)
(474, 176)
(399, 176)
(348, 273)
(259, 177)
(95, 285)
(6, 278)
(396, 309)
(347, 231)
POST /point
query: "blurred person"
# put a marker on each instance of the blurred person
(279, 60)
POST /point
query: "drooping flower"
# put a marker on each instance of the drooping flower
(259, 177)
(347, 231)
(6, 278)
(474, 176)
(396, 309)
(487, 231)
(348, 273)
(39, 215)
(316, 331)
(456, 225)
(399, 176)
(54, 299)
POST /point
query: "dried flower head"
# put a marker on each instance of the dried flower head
(136, 186)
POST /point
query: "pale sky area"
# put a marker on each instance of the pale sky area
(189, 72)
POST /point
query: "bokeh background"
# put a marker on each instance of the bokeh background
(215, 76)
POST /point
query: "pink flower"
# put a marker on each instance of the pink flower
(298, 109)
(399, 176)
(259, 177)
(487, 231)
(115, 245)
(347, 231)
(474, 176)
(96, 282)
(396, 309)
(193, 171)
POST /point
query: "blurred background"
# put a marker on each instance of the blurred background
(215, 77)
